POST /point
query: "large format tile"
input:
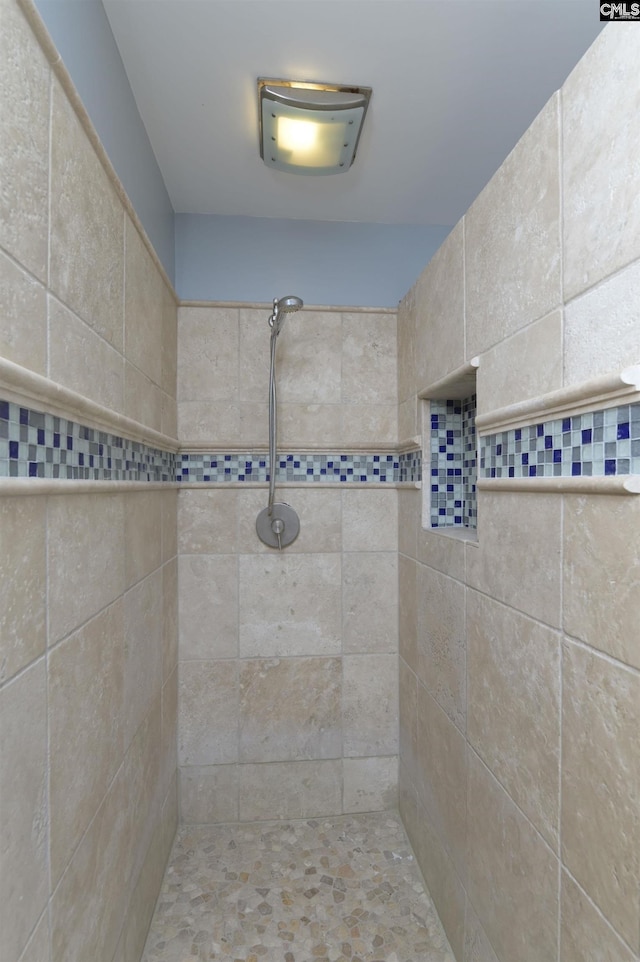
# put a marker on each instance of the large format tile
(406, 326)
(86, 728)
(208, 794)
(370, 602)
(370, 520)
(22, 583)
(369, 364)
(144, 294)
(601, 207)
(319, 511)
(208, 354)
(370, 784)
(207, 521)
(296, 789)
(583, 930)
(601, 784)
(512, 874)
(518, 556)
(407, 611)
(290, 709)
(439, 306)
(601, 574)
(87, 227)
(23, 313)
(441, 641)
(142, 534)
(370, 705)
(37, 948)
(408, 721)
(513, 718)
(24, 131)
(208, 713)
(477, 947)
(143, 650)
(512, 239)
(24, 869)
(308, 359)
(85, 558)
(208, 603)
(290, 604)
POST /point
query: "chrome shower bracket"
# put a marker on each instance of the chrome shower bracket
(278, 525)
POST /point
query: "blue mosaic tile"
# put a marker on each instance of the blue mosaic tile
(596, 444)
(343, 468)
(410, 466)
(453, 463)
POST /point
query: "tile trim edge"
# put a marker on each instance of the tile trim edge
(621, 485)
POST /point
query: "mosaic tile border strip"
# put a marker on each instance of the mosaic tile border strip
(343, 468)
(38, 445)
(453, 463)
(598, 444)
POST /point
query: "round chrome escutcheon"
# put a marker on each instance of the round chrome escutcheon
(278, 527)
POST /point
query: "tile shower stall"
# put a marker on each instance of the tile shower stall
(159, 664)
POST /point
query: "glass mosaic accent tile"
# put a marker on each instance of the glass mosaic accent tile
(38, 445)
(410, 466)
(453, 463)
(291, 467)
(600, 443)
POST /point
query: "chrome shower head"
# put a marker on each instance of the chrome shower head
(285, 305)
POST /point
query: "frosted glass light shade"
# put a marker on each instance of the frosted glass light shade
(310, 128)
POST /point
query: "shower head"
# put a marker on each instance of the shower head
(285, 305)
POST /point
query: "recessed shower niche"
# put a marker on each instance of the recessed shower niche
(449, 499)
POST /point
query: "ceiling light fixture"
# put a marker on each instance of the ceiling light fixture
(310, 128)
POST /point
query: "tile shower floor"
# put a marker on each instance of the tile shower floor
(339, 889)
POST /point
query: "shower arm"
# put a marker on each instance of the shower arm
(273, 414)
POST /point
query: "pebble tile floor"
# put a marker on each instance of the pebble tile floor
(339, 889)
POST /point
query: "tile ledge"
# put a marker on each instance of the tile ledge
(627, 484)
(23, 487)
(605, 391)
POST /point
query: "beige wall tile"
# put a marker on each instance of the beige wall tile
(525, 365)
(408, 721)
(441, 877)
(253, 423)
(319, 511)
(408, 419)
(22, 583)
(142, 902)
(441, 641)
(369, 520)
(407, 327)
(583, 930)
(208, 605)
(85, 558)
(442, 777)
(308, 359)
(593, 348)
(24, 868)
(517, 559)
(255, 351)
(86, 725)
(208, 713)
(87, 227)
(169, 343)
(513, 718)
(290, 604)
(82, 361)
(169, 617)
(209, 794)
(408, 612)
(369, 424)
(290, 790)
(512, 239)
(601, 784)
(302, 424)
(23, 313)
(370, 784)
(601, 580)
(24, 128)
(476, 944)
(169, 524)
(144, 301)
(370, 602)
(88, 906)
(169, 416)
(512, 874)
(142, 776)
(142, 399)
(37, 948)
(169, 732)
(441, 552)
(207, 521)
(208, 354)
(601, 208)
(290, 709)
(439, 298)
(142, 534)
(215, 422)
(369, 358)
(370, 705)
(143, 650)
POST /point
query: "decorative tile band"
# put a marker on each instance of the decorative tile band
(601, 443)
(38, 445)
(453, 463)
(291, 467)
